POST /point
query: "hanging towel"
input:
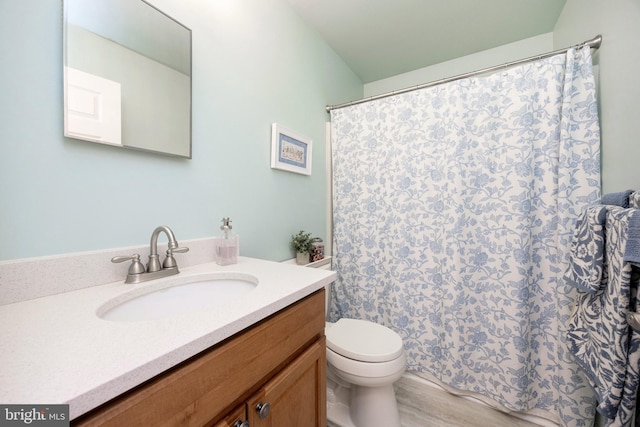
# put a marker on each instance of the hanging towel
(617, 199)
(632, 249)
(627, 407)
(587, 250)
(599, 335)
(634, 200)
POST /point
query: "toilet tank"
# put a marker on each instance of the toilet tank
(327, 290)
(324, 264)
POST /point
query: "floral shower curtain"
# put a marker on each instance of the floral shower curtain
(454, 209)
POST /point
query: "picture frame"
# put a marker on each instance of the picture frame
(290, 151)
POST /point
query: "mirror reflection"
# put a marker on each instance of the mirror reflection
(127, 72)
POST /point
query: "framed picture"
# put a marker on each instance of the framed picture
(290, 151)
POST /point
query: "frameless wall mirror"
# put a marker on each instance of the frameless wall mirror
(127, 76)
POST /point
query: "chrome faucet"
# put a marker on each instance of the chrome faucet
(154, 270)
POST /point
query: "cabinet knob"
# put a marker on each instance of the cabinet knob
(241, 423)
(263, 410)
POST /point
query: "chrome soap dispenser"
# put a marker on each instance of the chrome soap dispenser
(227, 247)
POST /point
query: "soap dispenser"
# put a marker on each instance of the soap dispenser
(226, 245)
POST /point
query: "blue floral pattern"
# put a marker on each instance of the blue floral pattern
(634, 200)
(586, 264)
(454, 209)
(599, 335)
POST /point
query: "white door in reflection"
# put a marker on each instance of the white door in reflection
(93, 107)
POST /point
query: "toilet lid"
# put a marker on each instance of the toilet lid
(363, 340)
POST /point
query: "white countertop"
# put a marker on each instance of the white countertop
(56, 349)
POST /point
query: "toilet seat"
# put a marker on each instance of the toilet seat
(363, 341)
(364, 373)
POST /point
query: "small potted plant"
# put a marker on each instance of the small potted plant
(302, 243)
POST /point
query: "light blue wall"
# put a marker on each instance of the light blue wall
(618, 61)
(477, 61)
(254, 63)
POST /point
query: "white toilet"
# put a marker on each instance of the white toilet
(364, 359)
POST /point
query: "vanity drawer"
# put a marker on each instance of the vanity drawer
(200, 391)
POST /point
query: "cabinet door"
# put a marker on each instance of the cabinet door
(234, 419)
(296, 396)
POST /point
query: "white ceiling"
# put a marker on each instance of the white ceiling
(383, 38)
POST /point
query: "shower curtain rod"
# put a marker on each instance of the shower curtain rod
(594, 43)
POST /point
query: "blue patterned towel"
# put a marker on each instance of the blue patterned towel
(632, 249)
(599, 336)
(617, 199)
(587, 250)
(634, 200)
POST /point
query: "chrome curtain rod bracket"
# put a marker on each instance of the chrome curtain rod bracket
(594, 43)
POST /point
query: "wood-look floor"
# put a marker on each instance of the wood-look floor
(424, 406)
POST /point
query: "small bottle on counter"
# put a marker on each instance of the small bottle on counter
(227, 245)
(317, 250)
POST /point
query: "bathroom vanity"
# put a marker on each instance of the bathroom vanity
(260, 357)
(272, 374)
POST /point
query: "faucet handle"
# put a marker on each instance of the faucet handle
(136, 266)
(170, 261)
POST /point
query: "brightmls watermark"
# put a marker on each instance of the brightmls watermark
(34, 415)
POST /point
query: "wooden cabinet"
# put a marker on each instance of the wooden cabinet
(235, 419)
(296, 396)
(280, 361)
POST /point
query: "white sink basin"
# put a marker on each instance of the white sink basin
(179, 295)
